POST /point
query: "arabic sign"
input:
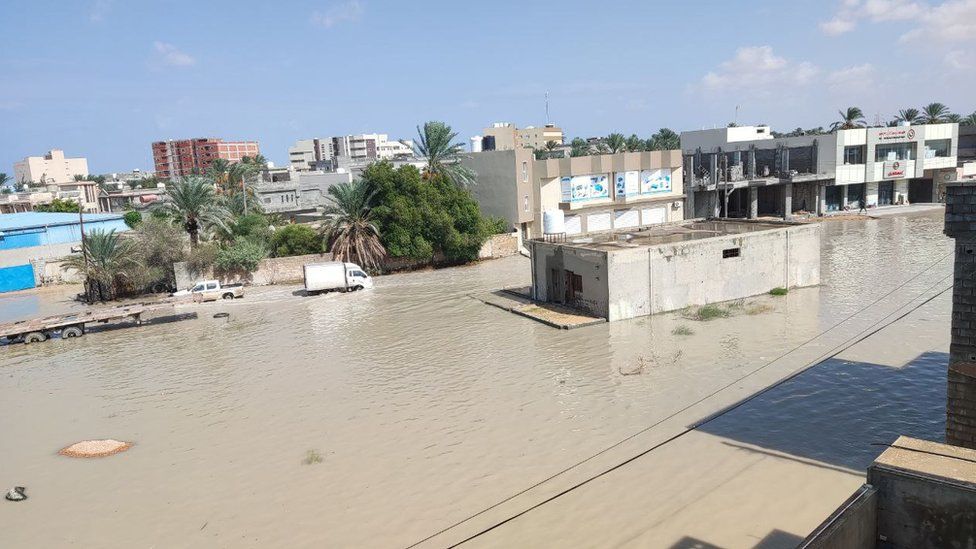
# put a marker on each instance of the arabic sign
(584, 187)
(894, 134)
(894, 170)
(626, 183)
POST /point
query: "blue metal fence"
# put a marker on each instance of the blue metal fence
(20, 277)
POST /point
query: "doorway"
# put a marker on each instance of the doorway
(920, 190)
(886, 193)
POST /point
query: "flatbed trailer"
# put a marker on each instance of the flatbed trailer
(36, 330)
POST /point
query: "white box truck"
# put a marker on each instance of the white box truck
(335, 276)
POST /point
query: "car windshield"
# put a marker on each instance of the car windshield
(197, 288)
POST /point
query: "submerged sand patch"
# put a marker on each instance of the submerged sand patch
(95, 448)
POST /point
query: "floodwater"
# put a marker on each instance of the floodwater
(420, 406)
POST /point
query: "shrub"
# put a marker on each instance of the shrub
(682, 331)
(296, 240)
(498, 225)
(60, 206)
(160, 244)
(202, 257)
(243, 255)
(132, 218)
(778, 291)
(708, 312)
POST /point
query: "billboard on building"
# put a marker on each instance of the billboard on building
(626, 183)
(584, 187)
(655, 181)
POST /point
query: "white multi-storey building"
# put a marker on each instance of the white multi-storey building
(746, 171)
(52, 168)
(346, 151)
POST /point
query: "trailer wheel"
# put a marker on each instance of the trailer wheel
(34, 337)
(228, 295)
(72, 331)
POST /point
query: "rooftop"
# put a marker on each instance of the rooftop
(671, 233)
(31, 220)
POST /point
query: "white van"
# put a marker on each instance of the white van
(335, 276)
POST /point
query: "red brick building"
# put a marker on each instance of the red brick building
(186, 156)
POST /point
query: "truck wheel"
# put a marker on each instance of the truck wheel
(357, 288)
(228, 296)
(72, 331)
(34, 337)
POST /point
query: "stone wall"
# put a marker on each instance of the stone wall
(275, 270)
(500, 245)
(960, 223)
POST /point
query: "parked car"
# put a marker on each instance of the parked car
(335, 276)
(212, 290)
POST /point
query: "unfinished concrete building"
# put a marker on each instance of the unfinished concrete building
(629, 274)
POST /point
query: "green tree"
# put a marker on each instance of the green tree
(192, 203)
(634, 143)
(420, 218)
(849, 119)
(441, 154)
(109, 261)
(350, 230)
(665, 139)
(909, 115)
(132, 218)
(954, 118)
(159, 244)
(969, 120)
(243, 255)
(616, 143)
(296, 240)
(5, 180)
(59, 205)
(934, 113)
(579, 147)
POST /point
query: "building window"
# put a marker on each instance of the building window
(854, 155)
(525, 203)
(897, 151)
(937, 148)
(730, 252)
(525, 172)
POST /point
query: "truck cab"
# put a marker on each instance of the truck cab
(357, 278)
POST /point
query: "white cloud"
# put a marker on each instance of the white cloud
(856, 78)
(959, 60)
(341, 12)
(758, 66)
(170, 55)
(99, 10)
(951, 21)
(838, 25)
(948, 21)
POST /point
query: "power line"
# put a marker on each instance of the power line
(682, 410)
(699, 424)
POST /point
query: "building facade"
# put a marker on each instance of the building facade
(593, 193)
(182, 157)
(504, 136)
(747, 172)
(291, 192)
(347, 151)
(53, 167)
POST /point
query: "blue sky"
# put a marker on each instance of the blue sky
(105, 78)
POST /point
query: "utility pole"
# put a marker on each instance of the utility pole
(84, 252)
(547, 107)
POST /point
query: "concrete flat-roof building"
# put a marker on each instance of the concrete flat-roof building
(347, 151)
(53, 167)
(594, 193)
(622, 275)
(505, 136)
(766, 175)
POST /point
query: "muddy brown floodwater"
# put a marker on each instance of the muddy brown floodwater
(380, 418)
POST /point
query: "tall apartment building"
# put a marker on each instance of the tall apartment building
(53, 167)
(345, 151)
(504, 136)
(177, 158)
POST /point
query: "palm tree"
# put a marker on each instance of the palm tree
(665, 139)
(634, 143)
(218, 171)
(350, 231)
(616, 142)
(4, 179)
(579, 147)
(193, 203)
(551, 146)
(850, 119)
(969, 120)
(934, 113)
(909, 115)
(954, 118)
(441, 153)
(108, 261)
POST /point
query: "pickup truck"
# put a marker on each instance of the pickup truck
(212, 290)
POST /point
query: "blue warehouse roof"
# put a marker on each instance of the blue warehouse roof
(34, 220)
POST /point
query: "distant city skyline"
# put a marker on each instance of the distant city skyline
(108, 78)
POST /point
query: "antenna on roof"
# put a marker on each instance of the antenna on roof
(547, 107)
(735, 120)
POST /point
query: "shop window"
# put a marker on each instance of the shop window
(854, 154)
(937, 148)
(897, 151)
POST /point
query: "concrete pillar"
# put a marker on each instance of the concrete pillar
(960, 224)
(753, 202)
(821, 200)
(689, 209)
(788, 201)
(751, 169)
(843, 197)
